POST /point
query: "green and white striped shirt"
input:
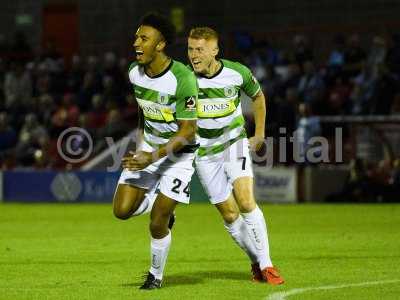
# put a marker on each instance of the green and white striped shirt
(164, 99)
(221, 122)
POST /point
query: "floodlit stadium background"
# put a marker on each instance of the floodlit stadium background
(330, 69)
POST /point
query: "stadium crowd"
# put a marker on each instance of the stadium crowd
(355, 79)
(41, 95)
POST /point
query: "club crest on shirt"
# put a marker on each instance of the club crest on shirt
(190, 103)
(229, 91)
(162, 98)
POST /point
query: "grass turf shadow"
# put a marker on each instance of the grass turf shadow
(194, 278)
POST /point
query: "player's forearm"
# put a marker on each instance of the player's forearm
(259, 110)
(140, 128)
(184, 136)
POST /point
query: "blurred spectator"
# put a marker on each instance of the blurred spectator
(43, 79)
(292, 80)
(89, 88)
(386, 87)
(65, 115)
(354, 56)
(338, 98)
(263, 55)
(308, 127)
(282, 65)
(41, 157)
(75, 75)
(32, 137)
(271, 83)
(302, 49)
(311, 85)
(377, 53)
(17, 87)
(130, 111)
(286, 111)
(336, 57)
(8, 136)
(97, 116)
(115, 128)
(31, 131)
(363, 90)
(45, 109)
(111, 91)
(112, 70)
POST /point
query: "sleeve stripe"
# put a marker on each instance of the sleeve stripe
(259, 89)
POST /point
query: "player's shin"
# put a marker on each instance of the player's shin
(238, 231)
(257, 231)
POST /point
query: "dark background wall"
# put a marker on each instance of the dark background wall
(110, 25)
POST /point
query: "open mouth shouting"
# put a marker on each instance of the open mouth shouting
(196, 63)
(139, 54)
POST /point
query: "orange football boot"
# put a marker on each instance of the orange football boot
(271, 275)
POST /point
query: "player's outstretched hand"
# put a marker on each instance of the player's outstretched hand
(135, 161)
(256, 143)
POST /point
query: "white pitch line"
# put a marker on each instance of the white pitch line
(284, 295)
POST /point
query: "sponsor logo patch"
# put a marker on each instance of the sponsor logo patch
(190, 103)
(229, 91)
(163, 98)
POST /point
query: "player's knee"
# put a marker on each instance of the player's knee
(158, 227)
(230, 216)
(246, 205)
(122, 213)
(122, 210)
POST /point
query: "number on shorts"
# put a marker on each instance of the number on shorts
(177, 185)
(186, 190)
(243, 162)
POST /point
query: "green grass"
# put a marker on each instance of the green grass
(82, 252)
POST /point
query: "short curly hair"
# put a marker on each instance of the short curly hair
(162, 24)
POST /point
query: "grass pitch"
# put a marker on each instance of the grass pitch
(82, 252)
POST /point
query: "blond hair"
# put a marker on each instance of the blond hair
(206, 33)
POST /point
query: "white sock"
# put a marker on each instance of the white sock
(159, 253)
(238, 231)
(257, 230)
